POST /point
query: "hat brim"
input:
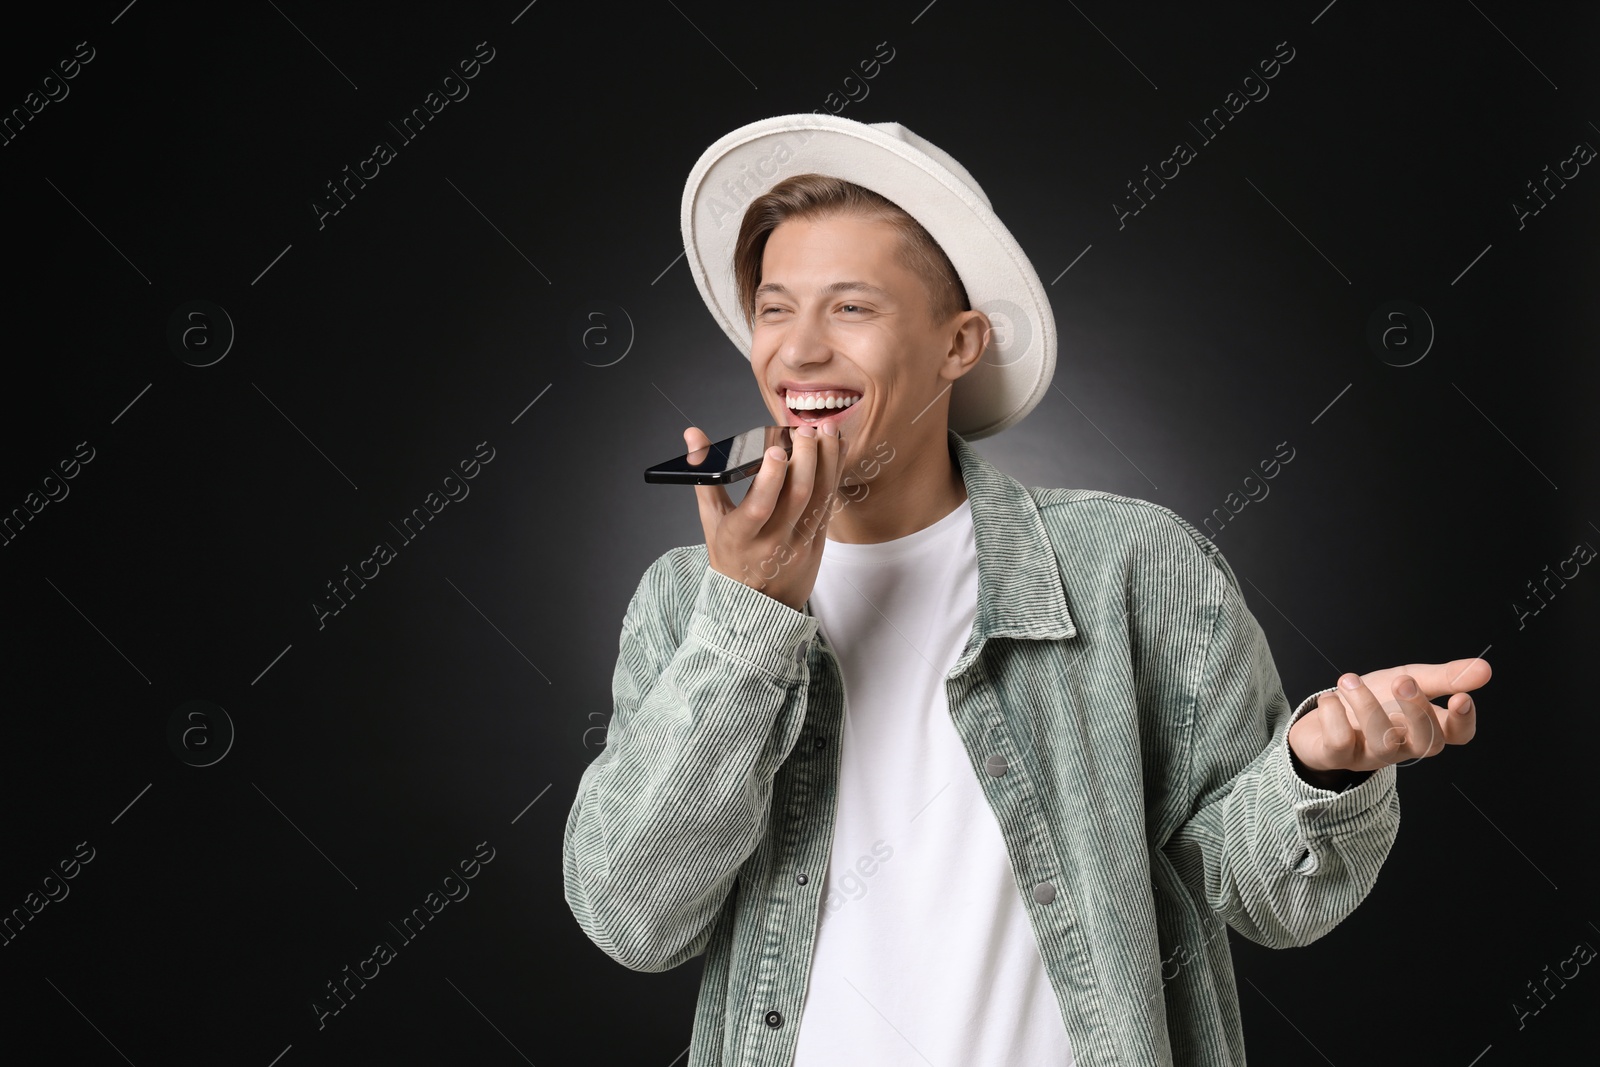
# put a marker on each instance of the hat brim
(1014, 371)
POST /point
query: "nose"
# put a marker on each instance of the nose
(805, 341)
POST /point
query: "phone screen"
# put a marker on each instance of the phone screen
(723, 461)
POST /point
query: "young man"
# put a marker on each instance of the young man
(932, 766)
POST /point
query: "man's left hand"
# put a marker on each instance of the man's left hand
(1386, 717)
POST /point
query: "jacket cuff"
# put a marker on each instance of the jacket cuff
(1328, 812)
(747, 623)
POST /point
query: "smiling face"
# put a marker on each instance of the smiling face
(837, 315)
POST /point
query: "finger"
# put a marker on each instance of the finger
(1442, 679)
(817, 508)
(762, 498)
(825, 496)
(1340, 743)
(797, 487)
(1382, 739)
(1379, 738)
(1422, 730)
(713, 499)
(1459, 720)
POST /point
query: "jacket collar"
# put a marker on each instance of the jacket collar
(1019, 584)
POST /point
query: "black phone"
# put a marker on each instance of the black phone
(725, 461)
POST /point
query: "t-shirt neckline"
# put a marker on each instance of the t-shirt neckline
(881, 551)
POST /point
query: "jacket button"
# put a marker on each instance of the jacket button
(996, 765)
(1044, 892)
(774, 1019)
(801, 879)
(821, 741)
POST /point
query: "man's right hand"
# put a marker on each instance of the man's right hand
(773, 540)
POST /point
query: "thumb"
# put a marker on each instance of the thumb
(698, 445)
(713, 500)
(1457, 675)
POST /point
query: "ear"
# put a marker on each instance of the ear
(969, 334)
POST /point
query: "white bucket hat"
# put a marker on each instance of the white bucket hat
(925, 181)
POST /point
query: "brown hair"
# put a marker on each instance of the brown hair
(814, 196)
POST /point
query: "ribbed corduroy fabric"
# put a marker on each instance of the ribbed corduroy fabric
(1148, 800)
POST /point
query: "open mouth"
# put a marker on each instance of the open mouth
(820, 406)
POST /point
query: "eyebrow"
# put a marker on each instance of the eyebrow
(827, 290)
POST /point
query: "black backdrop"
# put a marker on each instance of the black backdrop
(247, 390)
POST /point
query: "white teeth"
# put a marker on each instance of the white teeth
(809, 403)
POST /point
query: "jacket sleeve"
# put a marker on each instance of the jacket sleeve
(1281, 860)
(705, 709)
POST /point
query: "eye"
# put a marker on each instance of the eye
(848, 307)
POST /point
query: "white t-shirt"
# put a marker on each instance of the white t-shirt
(924, 952)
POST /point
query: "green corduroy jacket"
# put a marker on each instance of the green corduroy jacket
(1144, 786)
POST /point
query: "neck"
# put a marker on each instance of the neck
(919, 485)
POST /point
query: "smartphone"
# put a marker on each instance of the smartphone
(725, 461)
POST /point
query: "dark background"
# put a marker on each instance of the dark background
(457, 698)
